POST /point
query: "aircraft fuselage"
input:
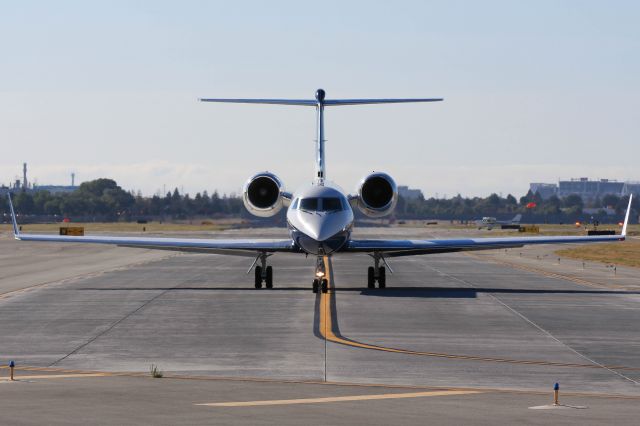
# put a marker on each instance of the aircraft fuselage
(320, 219)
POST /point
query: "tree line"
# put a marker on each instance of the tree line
(105, 200)
(533, 208)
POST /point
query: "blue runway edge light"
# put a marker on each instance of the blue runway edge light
(12, 364)
(556, 387)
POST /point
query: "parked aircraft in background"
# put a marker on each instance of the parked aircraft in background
(491, 222)
(319, 216)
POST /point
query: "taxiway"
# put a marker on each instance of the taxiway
(446, 323)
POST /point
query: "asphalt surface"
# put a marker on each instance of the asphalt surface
(446, 323)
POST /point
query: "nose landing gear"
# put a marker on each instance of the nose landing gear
(320, 283)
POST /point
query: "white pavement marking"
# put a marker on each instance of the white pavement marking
(338, 399)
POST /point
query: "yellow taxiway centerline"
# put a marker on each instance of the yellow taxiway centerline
(338, 399)
(327, 331)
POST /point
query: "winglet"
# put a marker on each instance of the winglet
(16, 229)
(626, 218)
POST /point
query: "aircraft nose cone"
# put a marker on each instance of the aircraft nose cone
(326, 231)
(322, 229)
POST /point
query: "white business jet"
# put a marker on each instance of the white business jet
(319, 216)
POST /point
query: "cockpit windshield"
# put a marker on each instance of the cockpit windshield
(331, 204)
(326, 204)
(310, 204)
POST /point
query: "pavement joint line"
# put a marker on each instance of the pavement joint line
(348, 398)
(543, 272)
(53, 376)
(73, 278)
(595, 363)
(330, 331)
(170, 376)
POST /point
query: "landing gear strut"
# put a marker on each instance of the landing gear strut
(377, 273)
(263, 272)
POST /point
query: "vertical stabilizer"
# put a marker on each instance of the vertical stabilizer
(320, 164)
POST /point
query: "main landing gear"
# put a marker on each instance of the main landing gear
(263, 273)
(376, 273)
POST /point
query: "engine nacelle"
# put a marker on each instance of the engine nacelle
(262, 194)
(377, 195)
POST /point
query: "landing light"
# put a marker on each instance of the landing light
(319, 274)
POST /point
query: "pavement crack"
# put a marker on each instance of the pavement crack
(112, 326)
(536, 326)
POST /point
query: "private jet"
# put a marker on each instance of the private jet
(319, 216)
(490, 222)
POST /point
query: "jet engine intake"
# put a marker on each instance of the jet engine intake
(377, 195)
(262, 194)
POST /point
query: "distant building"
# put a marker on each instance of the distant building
(24, 185)
(631, 188)
(546, 190)
(13, 187)
(587, 189)
(55, 189)
(409, 194)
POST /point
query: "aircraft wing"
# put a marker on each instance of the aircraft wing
(195, 245)
(395, 248)
(240, 247)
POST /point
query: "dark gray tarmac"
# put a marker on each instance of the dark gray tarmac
(198, 315)
(146, 401)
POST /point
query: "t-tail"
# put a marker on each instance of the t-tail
(320, 102)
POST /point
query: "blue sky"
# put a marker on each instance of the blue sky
(534, 91)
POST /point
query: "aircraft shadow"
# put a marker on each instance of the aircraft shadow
(426, 292)
(468, 292)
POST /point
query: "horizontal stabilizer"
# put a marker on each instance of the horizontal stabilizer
(320, 100)
(378, 101)
(299, 102)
